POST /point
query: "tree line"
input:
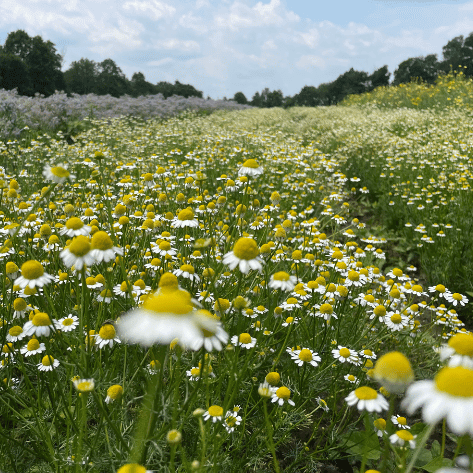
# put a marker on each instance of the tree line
(457, 52)
(32, 65)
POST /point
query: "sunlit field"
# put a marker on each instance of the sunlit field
(248, 291)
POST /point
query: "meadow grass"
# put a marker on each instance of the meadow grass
(266, 358)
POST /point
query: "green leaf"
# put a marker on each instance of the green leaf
(437, 463)
(356, 445)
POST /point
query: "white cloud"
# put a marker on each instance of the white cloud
(178, 44)
(269, 45)
(161, 62)
(242, 16)
(310, 38)
(111, 38)
(154, 8)
(311, 61)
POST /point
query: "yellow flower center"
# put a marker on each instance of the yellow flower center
(455, 381)
(244, 338)
(47, 360)
(394, 367)
(456, 296)
(283, 393)
(176, 302)
(168, 281)
(74, 223)
(79, 246)
(380, 311)
(107, 332)
(273, 378)
(344, 352)
(32, 270)
(41, 319)
(380, 424)
(251, 163)
(396, 318)
(281, 276)
(15, 331)
(305, 355)
(246, 249)
(351, 377)
(353, 276)
(440, 288)
(67, 322)
(165, 245)
(101, 241)
(59, 171)
(188, 268)
(462, 343)
(215, 411)
(405, 435)
(401, 420)
(289, 320)
(11, 268)
(326, 309)
(132, 468)
(186, 214)
(86, 385)
(33, 344)
(366, 393)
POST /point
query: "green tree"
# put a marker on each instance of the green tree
(139, 85)
(41, 59)
(256, 100)
(379, 78)
(240, 98)
(417, 68)
(14, 74)
(350, 82)
(458, 52)
(111, 80)
(81, 77)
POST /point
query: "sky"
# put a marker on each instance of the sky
(226, 46)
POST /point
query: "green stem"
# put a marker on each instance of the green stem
(270, 442)
(419, 448)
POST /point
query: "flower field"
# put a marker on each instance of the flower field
(252, 290)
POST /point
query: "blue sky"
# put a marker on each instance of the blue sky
(222, 47)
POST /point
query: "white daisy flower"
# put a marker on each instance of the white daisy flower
(32, 348)
(282, 395)
(366, 398)
(304, 356)
(33, 275)
(245, 255)
(75, 227)
(48, 363)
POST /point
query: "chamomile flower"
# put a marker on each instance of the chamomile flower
(114, 393)
(102, 249)
(393, 370)
(403, 437)
(400, 421)
(344, 354)
(185, 218)
(250, 168)
(75, 227)
(33, 347)
(458, 350)
(57, 174)
(211, 339)
(245, 255)
(48, 363)
(457, 299)
(305, 356)
(84, 385)
(282, 395)
(33, 275)
(232, 420)
(15, 333)
(133, 468)
(187, 271)
(449, 395)
(244, 340)
(214, 412)
(380, 427)
(351, 378)
(366, 398)
(396, 321)
(107, 336)
(39, 325)
(161, 318)
(283, 281)
(78, 253)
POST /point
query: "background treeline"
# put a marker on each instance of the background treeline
(32, 65)
(457, 52)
